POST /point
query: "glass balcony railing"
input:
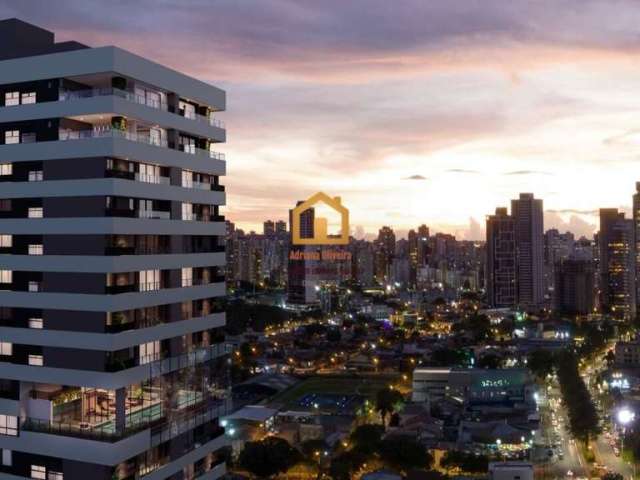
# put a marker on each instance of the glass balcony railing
(106, 132)
(66, 95)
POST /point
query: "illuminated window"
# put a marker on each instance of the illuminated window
(6, 169)
(35, 323)
(35, 212)
(35, 249)
(6, 276)
(38, 471)
(11, 99)
(35, 176)
(29, 97)
(8, 425)
(12, 136)
(6, 241)
(6, 348)
(149, 352)
(55, 475)
(187, 277)
(36, 360)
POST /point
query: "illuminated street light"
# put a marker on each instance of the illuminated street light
(625, 416)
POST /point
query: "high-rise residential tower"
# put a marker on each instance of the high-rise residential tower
(529, 240)
(500, 270)
(112, 361)
(616, 264)
(636, 227)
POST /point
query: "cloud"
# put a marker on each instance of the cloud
(574, 211)
(463, 170)
(578, 226)
(415, 177)
(527, 172)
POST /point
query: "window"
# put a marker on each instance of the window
(6, 241)
(11, 136)
(188, 144)
(35, 176)
(187, 277)
(8, 425)
(187, 178)
(149, 173)
(188, 109)
(6, 276)
(35, 323)
(29, 137)
(5, 205)
(35, 212)
(148, 280)
(34, 286)
(35, 249)
(36, 360)
(6, 169)
(11, 98)
(29, 97)
(38, 471)
(6, 348)
(149, 352)
(187, 211)
(55, 475)
(7, 457)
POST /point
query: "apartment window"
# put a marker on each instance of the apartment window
(35, 249)
(34, 286)
(188, 144)
(188, 109)
(187, 178)
(187, 277)
(35, 212)
(6, 348)
(29, 97)
(6, 241)
(149, 352)
(6, 169)
(36, 360)
(149, 280)
(29, 137)
(11, 99)
(39, 471)
(55, 475)
(35, 176)
(35, 323)
(7, 457)
(12, 136)
(8, 425)
(149, 173)
(187, 211)
(6, 276)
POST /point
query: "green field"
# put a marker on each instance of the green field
(365, 386)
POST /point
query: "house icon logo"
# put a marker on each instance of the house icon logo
(320, 224)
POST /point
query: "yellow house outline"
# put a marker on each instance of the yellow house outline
(320, 236)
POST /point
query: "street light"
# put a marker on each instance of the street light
(625, 416)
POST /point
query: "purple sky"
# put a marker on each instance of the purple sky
(413, 111)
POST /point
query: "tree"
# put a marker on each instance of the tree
(540, 362)
(404, 453)
(612, 476)
(311, 447)
(387, 401)
(490, 360)
(343, 466)
(268, 457)
(366, 438)
(334, 335)
(467, 462)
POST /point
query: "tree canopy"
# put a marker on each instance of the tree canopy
(268, 457)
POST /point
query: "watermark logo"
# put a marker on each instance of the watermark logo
(320, 225)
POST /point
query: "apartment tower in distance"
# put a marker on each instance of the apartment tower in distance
(501, 260)
(617, 274)
(112, 361)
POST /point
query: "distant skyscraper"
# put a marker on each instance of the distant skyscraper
(501, 259)
(557, 246)
(300, 288)
(527, 216)
(386, 248)
(281, 227)
(269, 228)
(573, 292)
(636, 224)
(617, 269)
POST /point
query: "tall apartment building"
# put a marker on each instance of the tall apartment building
(636, 227)
(616, 264)
(500, 271)
(112, 362)
(528, 221)
(574, 286)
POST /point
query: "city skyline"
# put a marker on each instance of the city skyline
(463, 121)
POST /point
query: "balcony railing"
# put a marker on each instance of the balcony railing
(167, 365)
(108, 132)
(66, 95)
(141, 177)
(148, 214)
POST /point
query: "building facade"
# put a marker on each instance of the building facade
(574, 289)
(501, 260)
(112, 356)
(616, 264)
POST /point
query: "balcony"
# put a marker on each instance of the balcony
(147, 214)
(108, 132)
(66, 95)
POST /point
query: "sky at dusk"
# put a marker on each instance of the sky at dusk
(413, 111)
